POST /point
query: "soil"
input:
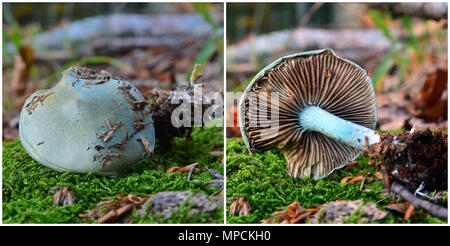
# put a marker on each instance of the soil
(412, 159)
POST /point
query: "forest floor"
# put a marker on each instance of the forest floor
(28, 195)
(262, 180)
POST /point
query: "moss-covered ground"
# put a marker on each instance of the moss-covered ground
(26, 183)
(262, 179)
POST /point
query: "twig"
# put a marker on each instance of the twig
(216, 174)
(362, 183)
(190, 171)
(309, 14)
(418, 203)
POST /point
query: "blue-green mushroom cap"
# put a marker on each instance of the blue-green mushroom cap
(87, 122)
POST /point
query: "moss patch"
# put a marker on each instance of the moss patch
(262, 179)
(26, 183)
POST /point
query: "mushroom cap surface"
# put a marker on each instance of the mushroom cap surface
(87, 122)
(315, 78)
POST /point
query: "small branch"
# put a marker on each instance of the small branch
(418, 203)
(190, 171)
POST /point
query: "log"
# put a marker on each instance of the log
(349, 43)
(117, 32)
(433, 209)
(434, 11)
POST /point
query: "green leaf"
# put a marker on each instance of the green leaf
(385, 65)
(413, 40)
(202, 9)
(207, 51)
(379, 18)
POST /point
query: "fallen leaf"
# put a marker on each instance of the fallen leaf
(357, 179)
(409, 212)
(64, 196)
(172, 169)
(291, 214)
(346, 179)
(240, 207)
(294, 209)
(379, 175)
(187, 168)
(109, 211)
(351, 165)
(399, 207)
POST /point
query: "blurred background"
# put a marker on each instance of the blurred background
(403, 47)
(149, 44)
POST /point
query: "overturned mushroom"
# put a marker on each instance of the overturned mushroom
(75, 125)
(317, 108)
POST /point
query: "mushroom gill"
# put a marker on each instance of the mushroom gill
(317, 80)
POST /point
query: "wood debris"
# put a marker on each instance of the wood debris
(108, 134)
(216, 153)
(65, 196)
(101, 81)
(139, 124)
(120, 146)
(292, 214)
(35, 100)
(147, 145)
(240, 207)
(111, 211)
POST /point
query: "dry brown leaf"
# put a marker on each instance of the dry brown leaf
(409, 212)
(65, 196)
(399, 207)
(346, 179)
(240, 207)
(110, 211)
(357, 179)
(291, 214)
(187, 168)
(351, 165)
(379, 175)
(172, 169)
(294, 209)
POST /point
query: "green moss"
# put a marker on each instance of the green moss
(262, 179)
(26, 183)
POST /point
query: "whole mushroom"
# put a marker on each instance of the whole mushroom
(324, 108)
(88, 122)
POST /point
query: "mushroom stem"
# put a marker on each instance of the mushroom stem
(316, 119)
